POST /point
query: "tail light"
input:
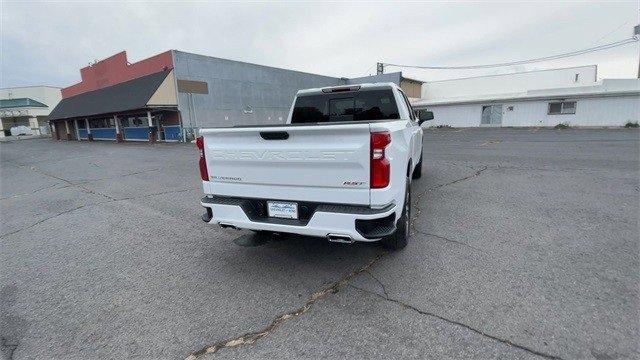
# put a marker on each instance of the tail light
(380, 167)
(204, 173)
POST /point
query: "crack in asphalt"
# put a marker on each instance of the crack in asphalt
(382, 286)
(49, 218)
(478, 172)
(10, 347)
(251, 337)
(491, 142)
(118, 176)
(80, 182)
(71, 183)
(155, 194)
(29, 193)
(416, 203)
(458, 323)
(111, 200)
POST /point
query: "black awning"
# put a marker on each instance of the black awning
(131, 95)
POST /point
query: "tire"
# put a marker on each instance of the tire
(417, 172)
(400, 238)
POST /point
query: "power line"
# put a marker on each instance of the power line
(528, 61)
(370, 68)
(609, 33)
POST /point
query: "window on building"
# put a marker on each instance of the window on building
(96, 123)
(555, 108)
(100, 123)
(562, 108)
(134, 121)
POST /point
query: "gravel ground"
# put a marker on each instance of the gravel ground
(525, 245)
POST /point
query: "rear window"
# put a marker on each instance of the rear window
(366, 105)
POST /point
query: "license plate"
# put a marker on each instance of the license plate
(284, 210)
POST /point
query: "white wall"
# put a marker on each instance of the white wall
(509, 83)
(596, 111)
(455, 115)
(47, 95)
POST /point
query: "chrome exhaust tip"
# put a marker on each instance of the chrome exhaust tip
(337, 238)
(227, 226)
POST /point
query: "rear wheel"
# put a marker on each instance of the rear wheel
(400, 238)
(417, 172)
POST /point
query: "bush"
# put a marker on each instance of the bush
(630, 124)
(562, 126)
(444, 127)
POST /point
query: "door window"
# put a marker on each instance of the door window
(491, 115)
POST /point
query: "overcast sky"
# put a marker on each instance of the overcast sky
(47, 43)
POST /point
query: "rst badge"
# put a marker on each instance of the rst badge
(353, 183)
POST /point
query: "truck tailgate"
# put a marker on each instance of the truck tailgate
(319, 163)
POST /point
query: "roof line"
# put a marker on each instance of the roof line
(514, 73)
(121, 83)
(254, 64)
(36, 103)
(29, 86)
(412, 79)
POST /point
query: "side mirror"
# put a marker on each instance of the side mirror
(424, 115)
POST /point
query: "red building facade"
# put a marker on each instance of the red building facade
(115, 70)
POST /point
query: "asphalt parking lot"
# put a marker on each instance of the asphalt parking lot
(525, 245)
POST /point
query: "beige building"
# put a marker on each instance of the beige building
(27, 107)
(412, 88)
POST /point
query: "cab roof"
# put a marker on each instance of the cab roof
(348, 88)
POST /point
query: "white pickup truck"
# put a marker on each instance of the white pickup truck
(340, 168)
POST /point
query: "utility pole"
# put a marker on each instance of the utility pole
(380, 68)
(636, 34)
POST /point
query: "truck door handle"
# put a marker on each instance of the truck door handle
(274, 135)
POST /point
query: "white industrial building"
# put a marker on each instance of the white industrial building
(571, 96)
(24, 110)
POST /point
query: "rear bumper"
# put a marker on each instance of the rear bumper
(316, 219)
